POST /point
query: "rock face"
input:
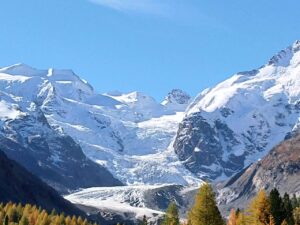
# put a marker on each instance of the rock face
(53, 156)
(278, 169)
(177, 99)
(237, 122)
(18, 185)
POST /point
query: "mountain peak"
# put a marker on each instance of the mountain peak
(296, 45)
(284, 57)
(177, 96)
(21, 69)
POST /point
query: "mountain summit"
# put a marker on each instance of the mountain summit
(239, 120)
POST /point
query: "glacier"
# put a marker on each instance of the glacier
(128, 133)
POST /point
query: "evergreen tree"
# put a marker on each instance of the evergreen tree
(144, 221)
(259, 210)
(237, 212)
(6, 220)
(172, 216)
(205, 210)
(276, 207)
(294, 201)
(288, 209)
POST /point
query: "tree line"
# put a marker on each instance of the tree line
(272, 209)
(18, 214)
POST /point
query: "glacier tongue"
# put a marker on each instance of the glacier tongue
(129, 133)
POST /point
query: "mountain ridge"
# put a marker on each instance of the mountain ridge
(126, 133)
(238, 121)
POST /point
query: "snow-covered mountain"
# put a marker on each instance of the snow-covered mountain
(128, 133)
(238, 121)
(27, 136)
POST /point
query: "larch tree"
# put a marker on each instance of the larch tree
(272, 221)
(205, 210)
(172, 215)
(232, 217)
(241, 219)
(258, 212)
(296, 215)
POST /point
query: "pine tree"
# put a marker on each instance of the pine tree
(276, 207)
(205, 210)
(294, 201)
(232, 217)
(288, 209)
(259, 210)
(172, 216)
(6, 220)
(144, 221)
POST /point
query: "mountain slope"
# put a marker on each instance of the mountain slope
(280, 168)
(47, 151)
(18, 185)
(238, 121)
(128, 133)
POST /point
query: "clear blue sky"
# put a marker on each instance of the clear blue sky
(147, 45)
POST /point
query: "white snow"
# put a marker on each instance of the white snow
(9, 111)
(129, 133)
(128, 199)
(263, 105)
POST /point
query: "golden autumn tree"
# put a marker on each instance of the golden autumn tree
(272, 221)
(232, 217)
(258, 212)
(241, 219)
(205, 210)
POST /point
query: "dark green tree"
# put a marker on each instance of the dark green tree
(294, 201)
(144, 221)
(277, 209)
(6, 220)
(287, 203)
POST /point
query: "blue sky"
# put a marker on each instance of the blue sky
(147, 45)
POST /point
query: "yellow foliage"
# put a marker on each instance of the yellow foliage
(32, 215)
